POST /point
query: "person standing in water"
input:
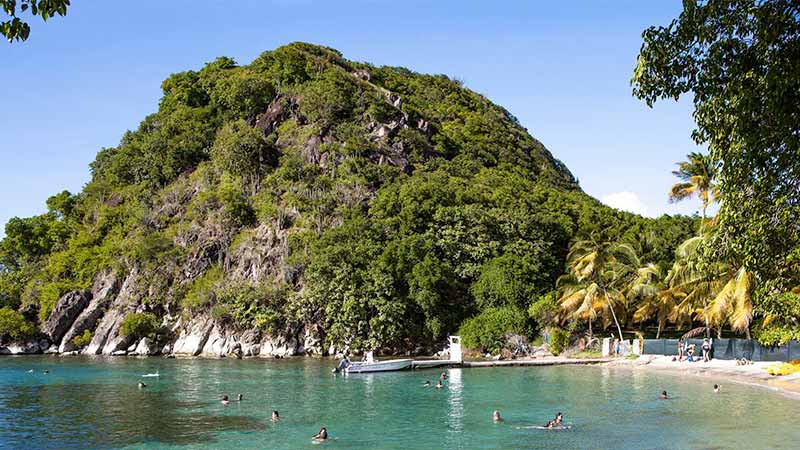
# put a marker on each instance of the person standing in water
(225, 400)
(239, 398)
(681, 347)
(275, 417)
(496, 416)
(716, 389)
(664, 395)
(322, 435)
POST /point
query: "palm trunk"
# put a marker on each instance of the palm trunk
(658, 331)
(590, 330)
(705, 317)
(747, 333)
(616, 322)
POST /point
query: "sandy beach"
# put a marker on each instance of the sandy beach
(719, 371)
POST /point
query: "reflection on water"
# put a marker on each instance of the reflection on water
(95, 403)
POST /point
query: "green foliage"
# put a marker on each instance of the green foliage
(82, 340)
(544, 310)
(329, 98)
(507, 280)
(738, 60)
(241, 150)
(14, 28)
(13, 325)
(202, 291)
(140, 325)
(242, 94)
(559, 340)
(487, 330)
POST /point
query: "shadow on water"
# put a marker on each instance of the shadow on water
(33, 416)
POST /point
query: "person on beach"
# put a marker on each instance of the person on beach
(681, 347)
(615, 347)
(716, 389)
(225, 400)
(322, 435)
(690, 352)
(706, 350)
(496, 416)
(664, 395)
(275, 417)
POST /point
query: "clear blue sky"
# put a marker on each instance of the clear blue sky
(562, 68)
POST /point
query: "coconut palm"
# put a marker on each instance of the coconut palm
(734, 302)
(697, 177)
(656, 299)
(594, 286)
(724, 289)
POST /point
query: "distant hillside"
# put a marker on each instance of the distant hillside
(300, 204)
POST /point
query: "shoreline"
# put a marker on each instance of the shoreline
(717, 370)
(721, 371)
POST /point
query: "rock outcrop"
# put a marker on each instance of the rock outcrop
(106, 339)
(102, 294)
(67, 309)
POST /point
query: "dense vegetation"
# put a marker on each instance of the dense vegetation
(740, 62)
(374, 205)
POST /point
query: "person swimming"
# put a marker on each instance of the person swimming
(496, 416)
(142, 385)
(322, 435)
(225, 400)
(275, 417)
(439, 385)
(556, 422)
(46, 371)
(426, 384)
(239, 398)
(716, 389)
(664, 395)
(443, 376)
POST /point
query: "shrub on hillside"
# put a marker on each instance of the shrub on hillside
(83, 339)
(139, 325)
(487, 330)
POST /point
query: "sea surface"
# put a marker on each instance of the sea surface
(95, 403)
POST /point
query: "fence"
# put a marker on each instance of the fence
(727, 349)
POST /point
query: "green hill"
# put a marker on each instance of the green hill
(300, 202)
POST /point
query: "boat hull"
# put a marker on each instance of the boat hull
(380, 366)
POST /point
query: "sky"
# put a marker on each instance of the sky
(562, 68)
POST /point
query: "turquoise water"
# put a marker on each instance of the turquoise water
(95, 403)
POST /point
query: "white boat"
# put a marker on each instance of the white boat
(372, 365)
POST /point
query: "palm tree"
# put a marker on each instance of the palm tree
(726, 286)
(698, 176)
(598, 273)
(656, 298)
